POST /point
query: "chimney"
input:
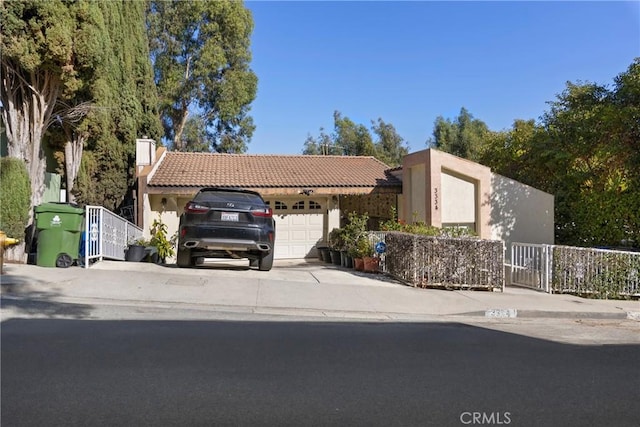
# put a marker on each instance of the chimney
(145, 152)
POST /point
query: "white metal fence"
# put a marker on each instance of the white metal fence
(107, 235)
(531, 266)
(600, 272)
(552, 268)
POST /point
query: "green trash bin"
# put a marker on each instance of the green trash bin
(59, 228)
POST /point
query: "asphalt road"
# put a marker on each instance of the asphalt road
(143, 373)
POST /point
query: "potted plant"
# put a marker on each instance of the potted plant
(335, 243)
(159, 240)
(371, 264)
(137, 250)
(361, 250)
(370, 260)
(325, 253)
(355, 236)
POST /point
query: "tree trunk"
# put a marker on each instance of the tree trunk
(72, 157)
(178, 143)
(28, 100)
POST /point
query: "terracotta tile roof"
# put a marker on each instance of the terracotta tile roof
(243, 170)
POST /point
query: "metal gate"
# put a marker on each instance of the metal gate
(107, 235)
(531, 266)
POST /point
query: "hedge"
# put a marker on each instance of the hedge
(15, 197)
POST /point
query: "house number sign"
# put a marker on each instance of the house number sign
(435, 197)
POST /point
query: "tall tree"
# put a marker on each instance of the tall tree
(594, 137)
(323, 145)
(200, 52)
(46, 59)
(462, 137)
(390, 147)
(195, 135)
(585, 151)
(124, 107)
(351, 138)
(508, 152)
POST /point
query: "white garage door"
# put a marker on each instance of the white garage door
(299, 227)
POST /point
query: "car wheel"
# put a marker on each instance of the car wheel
(184, 259)
(266, 262)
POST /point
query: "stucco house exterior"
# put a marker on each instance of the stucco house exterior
(444, 190)
(310, 195)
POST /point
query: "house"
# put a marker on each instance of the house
(305, 192)
(310, 195)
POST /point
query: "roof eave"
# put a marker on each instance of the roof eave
(316, 191)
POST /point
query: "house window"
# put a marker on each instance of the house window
(314, 205)
(280, 206)
(298, 205)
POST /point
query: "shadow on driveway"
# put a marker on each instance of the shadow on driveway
(19, 299)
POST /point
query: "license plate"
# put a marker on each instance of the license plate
(229, 216)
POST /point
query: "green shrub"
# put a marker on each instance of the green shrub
(354, 232)
(15, 197)
(419, 227)
(363, 248)
(392, 224)
(336, 240)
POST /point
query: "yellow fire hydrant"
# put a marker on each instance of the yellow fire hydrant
(4, 242)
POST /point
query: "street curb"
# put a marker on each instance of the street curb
(512, 313)
(339, 314)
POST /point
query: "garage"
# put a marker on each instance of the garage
(299, 226)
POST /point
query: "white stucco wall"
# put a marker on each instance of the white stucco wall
(169, 214)
(520, 213)
(458, 200)
(333, 217)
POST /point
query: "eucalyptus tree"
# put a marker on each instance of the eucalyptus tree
(80, 73)
(201, 55)
(390, 146)
(462, 137)
(49, 51)
(195, 135)
(322, 145)
(351, 138)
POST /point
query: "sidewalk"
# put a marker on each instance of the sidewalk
(291, 288)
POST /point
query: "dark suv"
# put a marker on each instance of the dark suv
(227, 223)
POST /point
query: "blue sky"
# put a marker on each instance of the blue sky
(409, 62)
